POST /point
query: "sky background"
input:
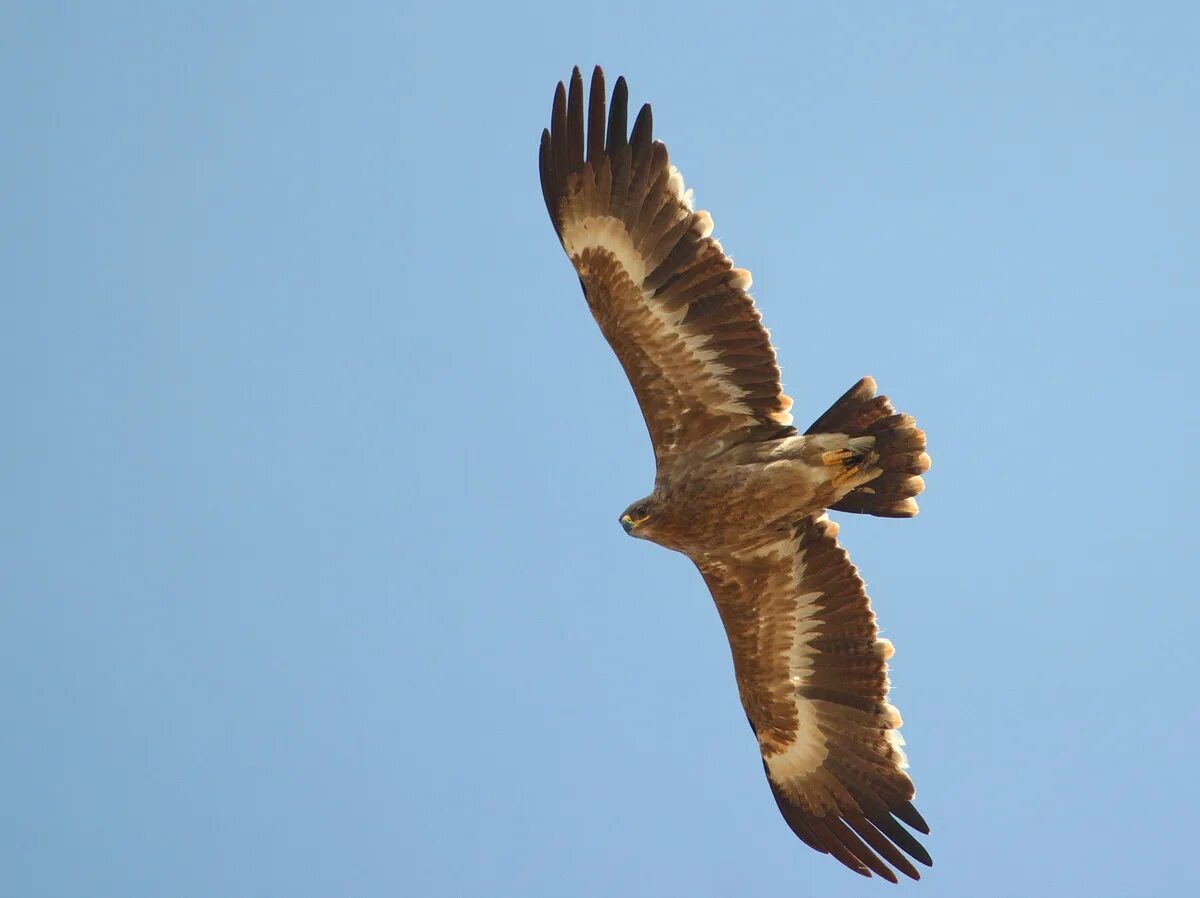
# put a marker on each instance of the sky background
(311, 581)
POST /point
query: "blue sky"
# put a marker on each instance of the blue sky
(310, 579)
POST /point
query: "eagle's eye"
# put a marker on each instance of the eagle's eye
(641, 513)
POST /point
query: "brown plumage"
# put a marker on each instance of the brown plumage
(737, 488)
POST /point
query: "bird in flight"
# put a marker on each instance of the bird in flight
(738, 489)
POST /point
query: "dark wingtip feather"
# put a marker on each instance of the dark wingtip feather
(836, 848)
(858, 849)
(558, 137)
(618, 116)
(862, 842)
(575, 122)
(643, 129)
(792, 815)
(910, 815)
(903, 839)
(882, 846)
(546, 174)
(595, 135)
(560, 102)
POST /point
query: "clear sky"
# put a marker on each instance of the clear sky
(311, 581)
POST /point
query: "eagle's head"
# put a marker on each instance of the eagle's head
(638, 516)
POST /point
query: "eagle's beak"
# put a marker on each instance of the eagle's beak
(627, 523)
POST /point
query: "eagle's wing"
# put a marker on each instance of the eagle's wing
(668, 299)
(812, 675)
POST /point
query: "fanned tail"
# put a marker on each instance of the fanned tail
(899, 444)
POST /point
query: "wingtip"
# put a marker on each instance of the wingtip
(902, 838)
(908, 813)
(621, 86)
(643, 127)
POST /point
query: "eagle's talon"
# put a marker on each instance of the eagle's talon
(845, 476)
(853, 462)
(847, 458)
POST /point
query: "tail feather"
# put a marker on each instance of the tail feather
(899, 444)
(854, 411)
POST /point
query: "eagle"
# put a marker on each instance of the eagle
(737, 488)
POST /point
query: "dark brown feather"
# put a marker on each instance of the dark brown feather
(881, 845)
(546, 171)
(558, 143)
(820, 828)
(903, 839)
(858, 849)
(669, 267)
(643, 129)
(595, 134)
(618, 114)
(622, 163)
(575, 122)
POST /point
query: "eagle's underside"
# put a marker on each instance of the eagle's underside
(737, 488)
(741, 497)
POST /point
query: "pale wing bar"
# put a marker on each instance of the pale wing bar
(812, 676)
(667, 298)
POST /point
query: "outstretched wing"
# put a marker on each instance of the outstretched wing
(812, 675)
(668, 299)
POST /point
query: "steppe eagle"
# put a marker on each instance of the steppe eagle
(737, 488)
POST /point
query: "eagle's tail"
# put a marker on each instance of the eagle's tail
(899, 444)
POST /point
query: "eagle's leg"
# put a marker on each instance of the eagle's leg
(857, 459)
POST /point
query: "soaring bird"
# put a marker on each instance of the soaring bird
(738, 489)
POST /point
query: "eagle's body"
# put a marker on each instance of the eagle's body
(737, 488)
(742, 495)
